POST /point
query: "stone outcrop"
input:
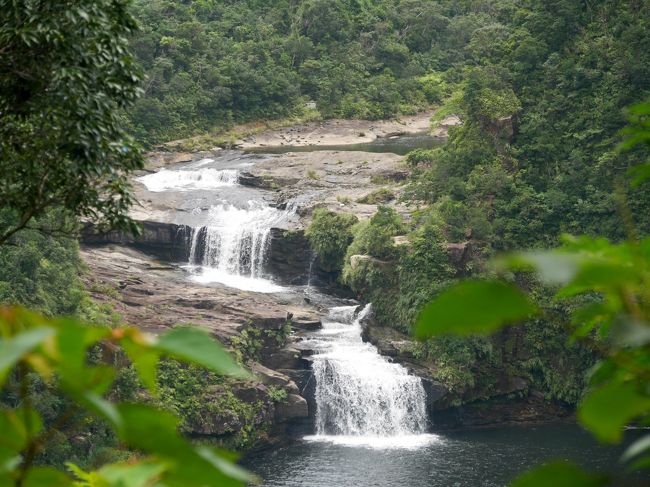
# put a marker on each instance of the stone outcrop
(330, 179)
(337, 132)
(442, 128)
(289, 256)
(294, 407)
(163, 240)
(155, 296)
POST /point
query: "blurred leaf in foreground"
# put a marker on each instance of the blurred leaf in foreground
(473, 307)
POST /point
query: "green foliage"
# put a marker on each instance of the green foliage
(421, 157)
(374, 237)
(247, 345)
(638, 134)
(65, 75)
(487, 97)
(57, 351)
(41, 271)
(561, 474)
(496, 303)
(378, 196)
(329, 235)
(277, 394)
(214, 64)
(204, 400)
(617, 322)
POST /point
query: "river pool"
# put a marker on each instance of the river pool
(485, 458)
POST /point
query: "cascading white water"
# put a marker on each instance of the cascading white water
(231, 248)
(361, 397)
(190, 179)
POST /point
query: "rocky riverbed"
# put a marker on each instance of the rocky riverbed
(148, 281)
(338, 132)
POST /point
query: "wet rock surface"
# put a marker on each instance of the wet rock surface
(154, 296)
(331, 179)
(337, 132)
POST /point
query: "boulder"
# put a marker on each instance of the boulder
(274, 378)
(294, 407)
(285, 358)
(289, 256)
(459, 255)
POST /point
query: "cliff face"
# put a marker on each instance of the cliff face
(288, 256)
(498, 398)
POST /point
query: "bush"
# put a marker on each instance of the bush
(421, 157)
(382, 195)
(329, 235)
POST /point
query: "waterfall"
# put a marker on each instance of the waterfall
(187, 180)
(312, 259)
(361, 397)
(232, 247)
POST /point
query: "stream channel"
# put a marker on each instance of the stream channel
(371, 426)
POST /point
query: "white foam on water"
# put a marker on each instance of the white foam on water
(188, 180)
(232, 248)
(399, 442)
(362, 399)
(209, 275)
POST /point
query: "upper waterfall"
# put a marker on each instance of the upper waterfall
(231, 249)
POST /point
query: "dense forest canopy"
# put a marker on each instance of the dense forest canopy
(213, 63)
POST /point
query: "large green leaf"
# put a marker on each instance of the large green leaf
(552, 267)
(149, 429)
(196, 346)
(145, 360)
(142, 474)
(223, 464)
(559, 474)
(473, 307)
(639, 447)
(96, 379)
(73, 341)
(17, 426)
(155, 432)
(600, 276)
(14, 348)
(46, 476)
(607, 410)
(102, 408)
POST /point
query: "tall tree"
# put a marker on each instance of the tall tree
(65, 75)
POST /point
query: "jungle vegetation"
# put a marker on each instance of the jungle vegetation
(547, 91)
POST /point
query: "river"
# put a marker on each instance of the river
(485, 458)
(370, 425)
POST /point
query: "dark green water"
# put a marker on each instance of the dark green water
(484, 458)
(402, 145)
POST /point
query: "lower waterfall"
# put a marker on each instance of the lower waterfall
(361, 397)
